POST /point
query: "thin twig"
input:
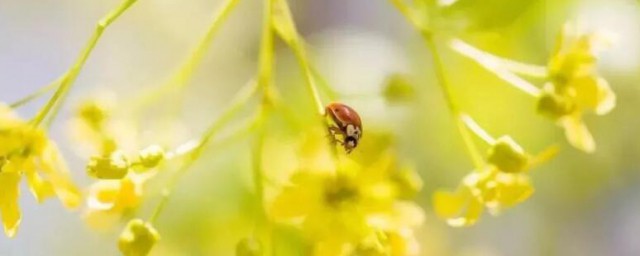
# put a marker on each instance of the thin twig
(70, 76)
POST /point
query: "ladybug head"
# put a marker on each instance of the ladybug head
(353, 131)
(350, 142)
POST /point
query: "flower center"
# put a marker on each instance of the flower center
(339, 192)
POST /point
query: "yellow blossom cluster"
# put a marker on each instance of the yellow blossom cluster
(138, 238)
(26, 151)
(120, 178)
(355, 208)
(501, 183)
(120, 184)
(575, 87)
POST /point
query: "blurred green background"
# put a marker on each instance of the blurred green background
(584, 204)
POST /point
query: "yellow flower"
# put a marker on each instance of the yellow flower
(502, 183)
(109, 200)
(9, 208)
(111, 167)
(92, 128)
(575, 87)
(94, 114)
(120, 184)
(508, 156)
(26, 150)
(338, 209)
(399, 242)
(138, 238)
(151, 156)
(489, 188)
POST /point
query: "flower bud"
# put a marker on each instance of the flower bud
(112, 167)
(554, 106)
(398, 88)
(138, 238)
(151, 156)
(508, 156)
(93, 113)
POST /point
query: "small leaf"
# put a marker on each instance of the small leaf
(577, 134)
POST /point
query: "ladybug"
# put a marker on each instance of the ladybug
(347, 123)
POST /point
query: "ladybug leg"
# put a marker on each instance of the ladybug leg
(333, 132)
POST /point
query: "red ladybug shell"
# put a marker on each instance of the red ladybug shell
(343, 115)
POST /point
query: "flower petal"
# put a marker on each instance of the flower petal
(56, 171)
(40, 188)
(586, 91)
(474, 210)
(577, 134)
(606, 97)
(103, 194)
(9, 209)
(330, 247)
(448, 205)
(292, 202)
(515, 191)
(403, 242)
(100, 220)
(511, 189)
(402, 215)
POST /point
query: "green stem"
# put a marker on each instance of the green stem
(239, 132)
(440, 74)
(427, 36)
(492, 61)
(265, 79)
(181, 77)
(236, 105)
(37, 93)
(286, 28)
(258, 173)
(501, 67)
(406, 12)
(188, 68)
(70, 76)
(266, 55)
(301, 55)
(324, 84)
(189, 148)
(288, 32)
(160, 207)
(477, 129)
(473, 152)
